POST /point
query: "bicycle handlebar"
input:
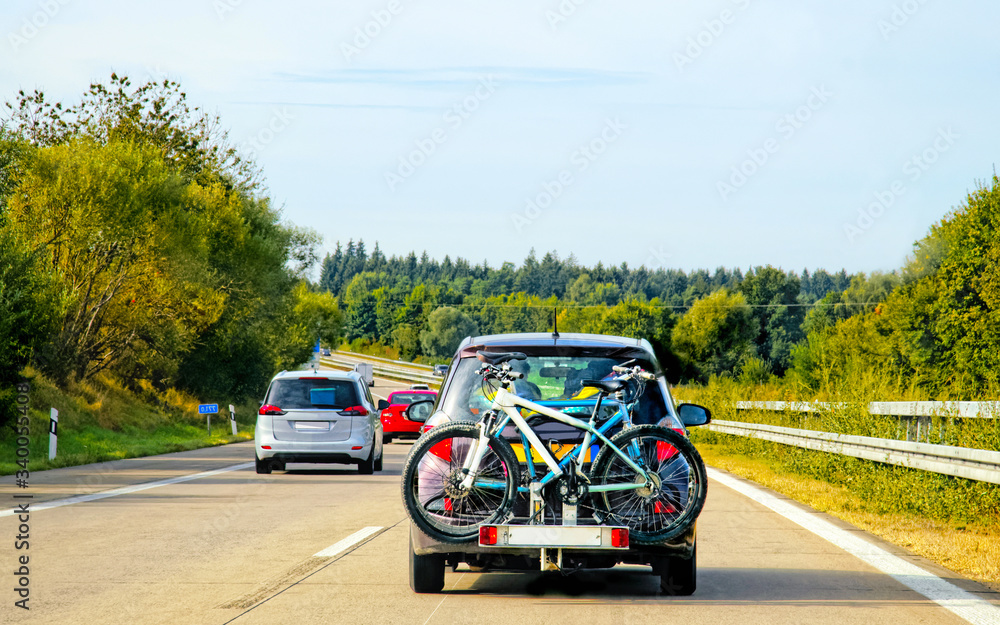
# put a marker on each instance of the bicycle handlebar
(633, 372)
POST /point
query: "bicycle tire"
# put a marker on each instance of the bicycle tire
(664, 511)
(432, 472)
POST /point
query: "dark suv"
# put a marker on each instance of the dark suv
(554, 370)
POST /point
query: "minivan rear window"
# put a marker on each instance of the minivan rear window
(312, 394)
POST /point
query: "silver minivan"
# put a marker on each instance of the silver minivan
(319, 417)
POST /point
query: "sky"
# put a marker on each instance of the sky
(735, 133)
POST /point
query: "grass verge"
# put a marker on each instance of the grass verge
(969, 548)
(102, 420)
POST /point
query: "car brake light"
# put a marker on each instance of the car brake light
(488, 535)
(265, 446)
(661, 508)
(619, 537)
(442, 450)
(665, 451)
(355, 411)
(268, 409)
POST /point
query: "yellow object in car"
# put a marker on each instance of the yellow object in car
(558, 450)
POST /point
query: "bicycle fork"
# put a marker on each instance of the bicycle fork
(475, 455)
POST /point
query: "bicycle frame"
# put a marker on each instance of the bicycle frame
(508, 403)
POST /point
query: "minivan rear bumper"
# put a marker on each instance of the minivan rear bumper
(339, 452)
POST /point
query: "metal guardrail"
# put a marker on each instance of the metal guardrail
(397, 373)
(973, 464)
(388, 360)
(951, 409)
(922, 420)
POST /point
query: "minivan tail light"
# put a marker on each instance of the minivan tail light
(268, 409)
(355, 411)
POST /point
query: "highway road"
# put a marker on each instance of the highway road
(323, 544)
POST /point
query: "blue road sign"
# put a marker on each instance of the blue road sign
(208, 408)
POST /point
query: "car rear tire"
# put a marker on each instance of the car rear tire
(386, 439)
(367, 466)
(263, 466)
(679, 576)
(378, 463)
(426, 572)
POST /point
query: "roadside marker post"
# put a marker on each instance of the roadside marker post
(232, 417)
(53, 432)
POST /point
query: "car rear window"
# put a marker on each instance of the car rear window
(312, 393)
(408, 398)
(555, 377)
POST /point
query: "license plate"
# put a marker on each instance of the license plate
(311, 426)
(555, 536)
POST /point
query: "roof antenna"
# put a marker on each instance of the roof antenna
(555, 322)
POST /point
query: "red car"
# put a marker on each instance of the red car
(394, 421)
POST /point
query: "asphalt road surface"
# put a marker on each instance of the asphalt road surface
(323, 544)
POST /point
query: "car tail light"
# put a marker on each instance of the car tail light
(663, 508)
(619, 537)
(265, 446)
(355, 411)
(357, 448)
(488, 535)
(442, 450)
(268, 409)
(665, 451)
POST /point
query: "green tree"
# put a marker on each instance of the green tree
(446, 328)
(716, 334)
(773, 298)
(30, 306)
(406, 339)
(105, 218)
(318, 315)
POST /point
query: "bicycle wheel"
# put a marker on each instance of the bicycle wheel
(432, 479)
(670, 504)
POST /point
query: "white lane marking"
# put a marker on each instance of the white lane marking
(347, 543)
(125, 490)
(947, 595)
(434, 611)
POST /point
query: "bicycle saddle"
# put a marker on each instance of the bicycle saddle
(608, 386)
(495, 358)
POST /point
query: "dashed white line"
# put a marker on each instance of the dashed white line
(347, 543)
(950, 597)
(125, 490)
